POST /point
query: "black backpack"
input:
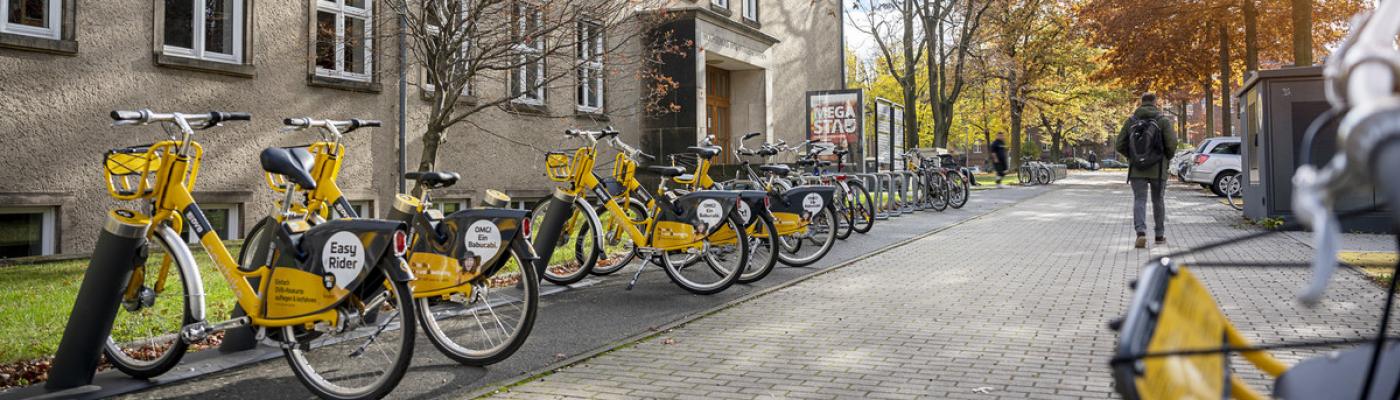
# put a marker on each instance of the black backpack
(1145, 145)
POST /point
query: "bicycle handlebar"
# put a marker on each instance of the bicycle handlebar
(146, 116)
(335, 128)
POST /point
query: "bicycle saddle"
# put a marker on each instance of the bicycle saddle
(666, 170)
(290, 164)
(779, 169)
(704, 151)
(434, 179)
(808, 163)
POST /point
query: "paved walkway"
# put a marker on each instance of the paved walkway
(1010, 305)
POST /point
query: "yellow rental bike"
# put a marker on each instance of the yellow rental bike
(806, 217)
(474, 301)
(672, 226)
(334, 297)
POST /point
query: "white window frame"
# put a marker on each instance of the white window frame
(526, 51)
(462, 204)
(465, 54)
(198, 52)
(48, 226)
(365, 208)
(750, 10)
(720, 3)
(234, 222)
(54, 30)
(341, 10)
(590, 69)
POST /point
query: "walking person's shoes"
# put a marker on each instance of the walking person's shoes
(1141, 242)
(1161, 240)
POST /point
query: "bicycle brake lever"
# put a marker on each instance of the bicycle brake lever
(1311, 207)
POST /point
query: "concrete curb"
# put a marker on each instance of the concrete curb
(494, 387)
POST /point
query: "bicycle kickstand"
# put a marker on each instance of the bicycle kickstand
(645, 261)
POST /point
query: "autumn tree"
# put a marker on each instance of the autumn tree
(896, 28)
(1024, 39)
(951, 27)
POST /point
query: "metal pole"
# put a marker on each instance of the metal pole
(403, 102)
(120, 247)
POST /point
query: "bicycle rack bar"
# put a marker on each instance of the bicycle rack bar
(901, 188)
(120, 247)
(887, 202)
(872, 186)
(914, 190)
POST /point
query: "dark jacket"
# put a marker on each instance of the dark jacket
(1159, 170)
(999, 153)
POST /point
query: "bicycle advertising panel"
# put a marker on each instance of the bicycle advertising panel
(835, 121)
(889, 135)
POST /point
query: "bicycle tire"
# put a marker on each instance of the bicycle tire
(844, 214)
(528, 281)
(938, 190)
(296, 355)
(727, 278)
(788, 258)
(576, 244)
(864, 216)
(167, 360)
(957, 190)
(764, 261)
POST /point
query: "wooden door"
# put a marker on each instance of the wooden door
(717, 111)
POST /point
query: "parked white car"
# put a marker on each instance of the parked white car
(1216, 165)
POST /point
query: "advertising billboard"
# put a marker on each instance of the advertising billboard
(835, 121)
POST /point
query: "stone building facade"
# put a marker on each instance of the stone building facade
(64, 65)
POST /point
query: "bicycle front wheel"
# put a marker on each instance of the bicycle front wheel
(724, 263)
(763, 247)
(937, 190)
(618, 247)
(576, 251)
(844, 214)
(1023, 175)
(145, 340)
(365, 361)
(491, 323)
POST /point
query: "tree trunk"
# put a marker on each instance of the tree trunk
(1251, 36)
(1210, 109)
(1182, 136)
(1226, 82)
(431, 139)
(1013, 157)
(1302, 33)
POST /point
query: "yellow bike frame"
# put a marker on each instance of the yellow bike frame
(664, 235)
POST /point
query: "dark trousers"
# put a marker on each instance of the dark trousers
(1159, 208)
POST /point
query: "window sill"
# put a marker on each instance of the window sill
(343, 84)
(526, 108)
(722, 10)
(591, 115)
(44, 45)
(192, 64)
(752, 23)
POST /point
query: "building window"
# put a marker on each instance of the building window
(459, 63)
(449, 206)
(37, 18)
(223, 220)
(363, 208)
(590, 70)
(527, 79)
(720, 3)
(27, 231)
(344, 39)
(751, 10)
(210, 30)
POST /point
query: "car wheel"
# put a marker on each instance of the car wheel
(1218, 186)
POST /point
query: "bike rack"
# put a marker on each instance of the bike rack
(889, 203)
(872, 186)
(912, 181)
(121, 245)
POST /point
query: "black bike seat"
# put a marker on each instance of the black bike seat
(779, 169)
(666, 170)
(287, 163)
(434, 179)
(704, 151)
(806, 163)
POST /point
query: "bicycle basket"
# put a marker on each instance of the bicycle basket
(132, 172)
(559, 166)
(623, 168)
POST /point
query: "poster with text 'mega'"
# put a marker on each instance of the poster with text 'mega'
(835, 120)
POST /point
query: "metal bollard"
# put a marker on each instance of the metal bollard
(561, 207)
(121, 245)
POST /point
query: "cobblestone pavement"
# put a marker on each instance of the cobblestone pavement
(1009, 305)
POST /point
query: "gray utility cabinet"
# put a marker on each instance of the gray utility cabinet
(1277, 108)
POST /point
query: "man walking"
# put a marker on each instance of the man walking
(999, 162)
(1146, 139)
(1093, 161)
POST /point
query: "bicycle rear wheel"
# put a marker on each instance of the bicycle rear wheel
(145, 340)
(937, 190)
(489, 325)
(359, 362)
(844, 214)
(862, 207)
(724, 263)
(803, 249)
(957, 189)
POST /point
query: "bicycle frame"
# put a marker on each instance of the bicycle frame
(659, 235)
